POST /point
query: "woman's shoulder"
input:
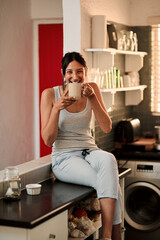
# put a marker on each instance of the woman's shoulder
(48, 95)
(48, 92)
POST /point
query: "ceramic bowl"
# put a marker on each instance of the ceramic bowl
(33, 189)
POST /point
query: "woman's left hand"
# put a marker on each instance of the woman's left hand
(87, 90)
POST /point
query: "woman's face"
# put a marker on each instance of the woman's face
(75, 72)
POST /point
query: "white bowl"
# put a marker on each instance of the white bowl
(33, 189)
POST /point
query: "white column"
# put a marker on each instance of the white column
(71, 25)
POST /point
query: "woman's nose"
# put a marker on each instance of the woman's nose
(75, 79)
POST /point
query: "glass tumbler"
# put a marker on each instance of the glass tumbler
(11, 184)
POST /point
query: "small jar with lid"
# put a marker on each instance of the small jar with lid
(11, 184)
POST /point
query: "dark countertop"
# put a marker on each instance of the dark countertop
(127, 154)
(55, 197)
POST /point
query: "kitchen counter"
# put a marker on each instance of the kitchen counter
(55, 198)
(127, 154)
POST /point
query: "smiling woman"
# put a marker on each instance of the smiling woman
(66, 126)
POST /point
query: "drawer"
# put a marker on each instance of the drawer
(54, 228)
(12, 233)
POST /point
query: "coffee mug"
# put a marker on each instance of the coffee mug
(75, 90)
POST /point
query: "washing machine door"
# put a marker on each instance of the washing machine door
(142, 206)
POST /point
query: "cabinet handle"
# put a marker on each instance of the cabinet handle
(52, 236)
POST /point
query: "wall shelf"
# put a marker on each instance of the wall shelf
(115, 51)
(114, 90)
(104, 58)
(133, 95)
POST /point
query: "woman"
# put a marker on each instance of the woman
(66, 125)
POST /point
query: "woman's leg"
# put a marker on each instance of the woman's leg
(108, 191)
(107, 211)
(101, 174)
(109, 230)
(116, 232)
(72, 168)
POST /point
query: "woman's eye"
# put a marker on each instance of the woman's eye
(80, 71)
(69, 72)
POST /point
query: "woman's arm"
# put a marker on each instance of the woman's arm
(95, 98)
(50, 111)
(49, 117)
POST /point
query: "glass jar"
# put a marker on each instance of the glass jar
(11, 184)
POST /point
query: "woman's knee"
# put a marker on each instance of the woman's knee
(108, 160)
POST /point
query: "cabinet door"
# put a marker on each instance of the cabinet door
(12, 233)
(54, 228)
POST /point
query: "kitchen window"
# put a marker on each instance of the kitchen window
(155, 70)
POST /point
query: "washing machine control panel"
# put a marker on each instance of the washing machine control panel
(147, 169)
(143, 168)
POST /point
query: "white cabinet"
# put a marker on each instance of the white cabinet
(104, 59)
(54, 228)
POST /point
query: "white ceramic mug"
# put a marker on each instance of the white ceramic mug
(75, 90)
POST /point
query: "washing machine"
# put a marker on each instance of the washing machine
(142, 200)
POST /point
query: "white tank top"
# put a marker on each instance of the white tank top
(74, 130)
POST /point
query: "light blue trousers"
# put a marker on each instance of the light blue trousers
(98, 169)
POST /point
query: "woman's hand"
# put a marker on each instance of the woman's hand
(87, 90)
(64, 101)
(92, 91)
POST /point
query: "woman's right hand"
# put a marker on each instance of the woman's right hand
(64, 101)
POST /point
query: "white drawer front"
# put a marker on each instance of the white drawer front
(12, 233)
(54, 228)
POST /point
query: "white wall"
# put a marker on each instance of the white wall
(46, 9)
(129, 12)
(72, 25)
(114, 10)
(142, 9)
(16, 83)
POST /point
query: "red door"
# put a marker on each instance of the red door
(50, 56)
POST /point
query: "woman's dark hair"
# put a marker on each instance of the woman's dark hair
(72, 56)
